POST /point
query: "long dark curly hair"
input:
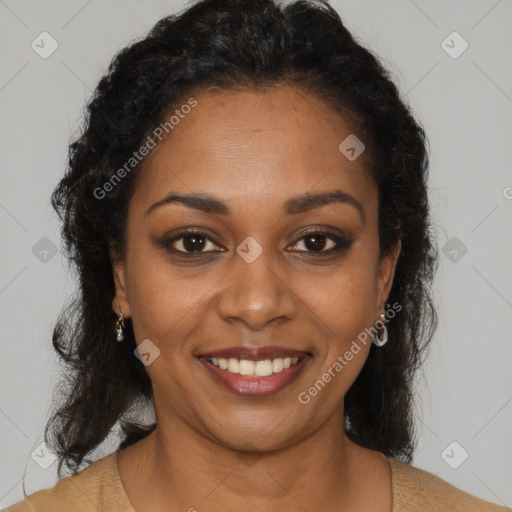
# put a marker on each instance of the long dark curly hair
(235, 44)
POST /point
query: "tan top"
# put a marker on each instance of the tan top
(99, 488)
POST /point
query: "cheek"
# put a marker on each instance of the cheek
(345, 312)
(344, 298)
(343, 302)
(165, 301)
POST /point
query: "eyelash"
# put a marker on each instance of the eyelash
(342, 243)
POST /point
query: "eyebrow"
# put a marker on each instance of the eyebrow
(293, 206)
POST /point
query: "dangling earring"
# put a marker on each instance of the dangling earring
(377, 339)
(120, 326)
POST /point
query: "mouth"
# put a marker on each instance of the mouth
(255, 371)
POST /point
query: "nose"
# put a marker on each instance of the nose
(257, 294)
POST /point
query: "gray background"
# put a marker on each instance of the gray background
(465, 105)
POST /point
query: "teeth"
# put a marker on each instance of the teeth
(234, 366)
(246, 367)
(277, 365)
(262, 368)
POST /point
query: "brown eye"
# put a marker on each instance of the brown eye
(318, 242)
(190, 242)
(322, 242)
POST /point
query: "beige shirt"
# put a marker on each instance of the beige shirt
(98, 488)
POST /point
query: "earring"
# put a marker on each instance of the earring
(377, 340)
(120, 326)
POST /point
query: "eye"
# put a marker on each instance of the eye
(321, 242)
(191, 242)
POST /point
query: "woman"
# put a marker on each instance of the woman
(247, 210)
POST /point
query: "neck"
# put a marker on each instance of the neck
(186, 469)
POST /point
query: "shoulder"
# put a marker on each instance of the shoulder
(90, 490)
(416, 490)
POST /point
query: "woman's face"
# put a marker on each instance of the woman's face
(254, 278)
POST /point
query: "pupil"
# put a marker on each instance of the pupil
(318, 241)
(191, 243)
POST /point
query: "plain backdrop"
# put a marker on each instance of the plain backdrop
(463, 98)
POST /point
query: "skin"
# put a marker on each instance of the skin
(253, 151)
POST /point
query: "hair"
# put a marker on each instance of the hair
(235, 45)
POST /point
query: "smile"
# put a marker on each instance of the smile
(256, 372)
(255, 368)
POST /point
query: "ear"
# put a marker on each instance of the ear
(386, 274)
(120, 300)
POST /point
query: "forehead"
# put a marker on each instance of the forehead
(254, 144)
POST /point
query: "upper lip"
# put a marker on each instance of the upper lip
(255, 353)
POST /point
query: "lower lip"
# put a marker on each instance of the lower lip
(243, 385)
